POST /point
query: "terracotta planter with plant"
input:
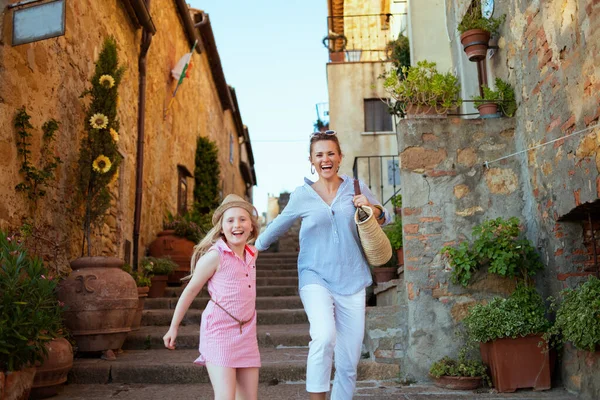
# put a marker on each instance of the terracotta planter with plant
(158, 270)
(422, 91)
(461, 374)
(178, 248)
(476, 31)
(395, 235)
(503, 99)
(52, 373)
(30, 317)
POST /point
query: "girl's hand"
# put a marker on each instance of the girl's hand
(169, 339)
(361, 200)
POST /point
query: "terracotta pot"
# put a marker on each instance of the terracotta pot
(158, 286)
(383, 274)
(16, 385)
(400, 256)
(517, 363)
(178, 249)
(101, 301)
(52, 373)
(137, 319)
(422, 111)
(475, 43)
(488, 110)
(336, 56)
(457, 382)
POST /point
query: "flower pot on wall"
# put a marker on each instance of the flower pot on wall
(179, 249)
(475, 43)
(16, 385)
(383, 274)
(158, 286)
(400, 255)
(517, 363)
(101, 300)
(52, 373)
(423, 111)
(137, 319)
(336, 56)
(457, 382)
(488, 110)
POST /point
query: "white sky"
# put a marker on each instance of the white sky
(272, 54)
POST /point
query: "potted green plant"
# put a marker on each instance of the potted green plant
(30, 317)
(396, 201)
(336, 44)
(461, 374)
(476, 31)
(578, 316)
(143, 282)
(395, 235)
(421, 90)
(158, 269)
(398, 52)
(509, 332)
(502, 98)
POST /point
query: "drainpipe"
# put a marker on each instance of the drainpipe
(147, 35)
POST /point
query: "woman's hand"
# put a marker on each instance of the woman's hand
(361, 201)
(169, 339)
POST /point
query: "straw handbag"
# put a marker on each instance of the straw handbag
(375, 243)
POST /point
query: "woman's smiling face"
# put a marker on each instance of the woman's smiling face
(326, 158)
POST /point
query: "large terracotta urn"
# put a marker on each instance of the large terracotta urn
(101, 301)
(179, 249)
(52, 373)
(16, 385)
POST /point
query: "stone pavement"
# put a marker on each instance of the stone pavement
(371, 390)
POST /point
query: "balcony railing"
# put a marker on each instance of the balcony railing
(380, 173)
(353, 38)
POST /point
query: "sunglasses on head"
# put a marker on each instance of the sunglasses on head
(328, 132)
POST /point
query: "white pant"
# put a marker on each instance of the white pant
(337, 324)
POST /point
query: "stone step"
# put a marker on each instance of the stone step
(267, 273)
(277, 281)
(192, 317)
(261, 291)
(278, 266)
(176, 367)
(277, 256)
(150, 337)
(262, 303)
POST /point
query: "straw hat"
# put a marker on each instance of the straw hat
(233, 200)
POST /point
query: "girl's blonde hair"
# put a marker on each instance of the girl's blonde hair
(213, 236)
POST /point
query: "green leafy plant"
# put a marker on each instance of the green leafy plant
(157, 266)
(503, 96)
(497, 245)
(320, 125)
(394, 233)
(30, 314)
(521, 314)
(207, 176)
(99, 158)
(398, 52)
(578, 316)
(473, 19)
(424, 87)
(397, 201)
(35, 179)
(192, 225)
(140, 276)
(462, 367)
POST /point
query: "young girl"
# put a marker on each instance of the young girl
(228, 343)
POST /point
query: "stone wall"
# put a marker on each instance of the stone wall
(48, 77)
(446, 190)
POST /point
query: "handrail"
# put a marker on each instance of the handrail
(379, 170)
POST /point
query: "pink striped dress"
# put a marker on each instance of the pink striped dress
(233, 287)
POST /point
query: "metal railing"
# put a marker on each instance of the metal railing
(353, 38)
(373, 169)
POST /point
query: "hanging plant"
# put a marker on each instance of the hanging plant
(99, 158)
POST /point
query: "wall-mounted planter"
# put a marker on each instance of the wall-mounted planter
(475, 43)
(488, 110)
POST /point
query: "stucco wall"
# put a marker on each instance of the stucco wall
(48, 77)
(427, 33)
(446, 191)
(349, 84)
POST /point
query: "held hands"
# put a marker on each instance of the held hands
(169, 339)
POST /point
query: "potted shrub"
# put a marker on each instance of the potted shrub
(394, 234)
(461, 374)
(30, 317)
(502, 98)
(398, 52)
(476, 31)
(397, 203)
(158, 270)
(143, 282)
(336, 44)
(423, 91)
(387, 271)
(509, 332)
(584, 329)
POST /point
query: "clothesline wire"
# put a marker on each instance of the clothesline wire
(487, 163)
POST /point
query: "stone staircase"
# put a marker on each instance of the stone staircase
(282, 334)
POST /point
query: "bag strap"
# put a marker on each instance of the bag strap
(356, 187)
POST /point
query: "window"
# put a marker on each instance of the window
(377, 118)
(182, 189)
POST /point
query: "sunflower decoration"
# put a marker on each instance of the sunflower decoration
(107, 81)
(115, 135)
(102, 164)
(99, 121)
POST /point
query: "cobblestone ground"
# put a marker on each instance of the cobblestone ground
(295, 391)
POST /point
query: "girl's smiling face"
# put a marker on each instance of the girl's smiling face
(237, 226)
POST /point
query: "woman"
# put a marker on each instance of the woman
(332, 269)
